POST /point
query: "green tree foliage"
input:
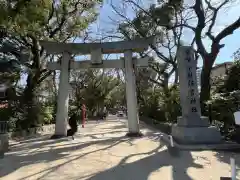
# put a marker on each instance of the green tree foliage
(232, 82)
(12, 59)
(225, 100)
(159, 106)
(34, 20)
(156, 98)
(117, 97)
(155, 21)
(222, 107)
(236, 55)
(93, 88)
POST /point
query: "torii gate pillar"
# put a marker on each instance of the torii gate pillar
(132, 108)
(63, 98)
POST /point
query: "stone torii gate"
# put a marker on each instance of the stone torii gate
(96, 50)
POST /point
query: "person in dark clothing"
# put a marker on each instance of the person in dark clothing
(104, 114)
(73, 125)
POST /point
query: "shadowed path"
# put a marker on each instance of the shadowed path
(102, 152)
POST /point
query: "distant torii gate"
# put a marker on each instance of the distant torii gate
(96, 50)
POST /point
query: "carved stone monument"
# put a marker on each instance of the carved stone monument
(191, 127)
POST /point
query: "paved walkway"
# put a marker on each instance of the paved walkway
(102, 152)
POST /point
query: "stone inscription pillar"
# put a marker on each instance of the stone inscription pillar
(189, 96)
(191, 127)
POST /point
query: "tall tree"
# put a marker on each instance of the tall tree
(150, 22)
(12, 59)
(205, 13)
(35, 20)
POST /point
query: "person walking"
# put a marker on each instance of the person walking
(73, 125)
(104, 113)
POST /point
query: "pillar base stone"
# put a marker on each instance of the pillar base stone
(134, 134)
(57, 136)
(4, 143)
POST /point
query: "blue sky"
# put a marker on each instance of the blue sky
(232, 42)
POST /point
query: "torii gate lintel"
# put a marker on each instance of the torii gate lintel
(117, 47)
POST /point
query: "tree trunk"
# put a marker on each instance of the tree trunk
(176, 76)
(165, 84)
(205, 82)
(30, 105)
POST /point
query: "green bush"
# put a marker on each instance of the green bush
(150, 106)
(225, 100)
(163, 127)
(47, 115)
(163, 106)
(222, 107)
(170, 104)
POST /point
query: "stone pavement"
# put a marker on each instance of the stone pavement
(101, 151)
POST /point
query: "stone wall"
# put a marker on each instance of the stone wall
(4, 138)
(47, 129)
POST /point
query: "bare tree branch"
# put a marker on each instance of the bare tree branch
(214, 16)
(198, 7)
(228, 30)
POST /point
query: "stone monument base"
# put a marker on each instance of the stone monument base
(195, 131)
(196, 135)
(4, 142)
(56, 136)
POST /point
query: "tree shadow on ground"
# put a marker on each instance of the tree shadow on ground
(30, 139)
(33, 143)
(224, 156)
(99, 135)
(43, 151)
(142, 168)
(122, 126)
(17, 136)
